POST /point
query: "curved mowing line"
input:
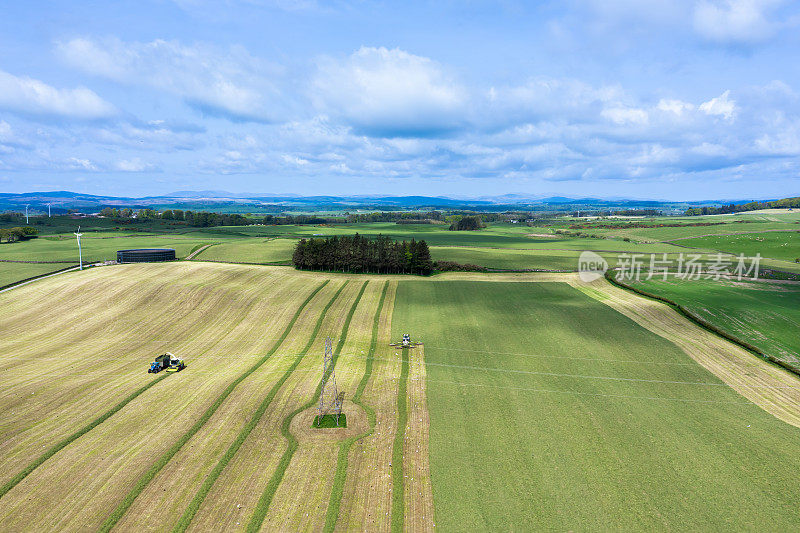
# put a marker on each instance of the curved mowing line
(205, 488)
(62, 444)
(115, 516)
(398, 487)
(337, 491)
(269, 491)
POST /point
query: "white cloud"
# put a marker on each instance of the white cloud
(75, 163)
(722, 105)
(5, 131)
(678, 107)
(389, 92)
(231, 83)
(626, 115)
(29, 96)
(134, 164)
(735, 21)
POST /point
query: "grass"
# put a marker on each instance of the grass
(142, 482)
(548, 409)
(398, 486)
(329, 421)
(257, 251)
(337, 490)
(14, 272)
(205, 488)
(782, 245)
(95, 248)
(75, 436)
(763, 314)
(260, 512)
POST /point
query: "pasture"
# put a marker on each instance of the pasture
(536, 402)
(548, 408)
(764, 314)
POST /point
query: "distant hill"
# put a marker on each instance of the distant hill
(224, 201)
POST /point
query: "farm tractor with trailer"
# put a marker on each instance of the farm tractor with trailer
(406, 342)
(166, 361)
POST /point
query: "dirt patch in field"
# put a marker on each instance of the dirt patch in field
(357, 423)
(545, 235)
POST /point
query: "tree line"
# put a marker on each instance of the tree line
(738, 208)
(18, 234)
(355, 253)
(191, 218)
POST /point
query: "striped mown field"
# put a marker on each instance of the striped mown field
(536, 402)
(90, 441)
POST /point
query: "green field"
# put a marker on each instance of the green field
(94, 247)
(11, 272)
(249, 250)
(784, 245)
(764, 314)
(551, 411)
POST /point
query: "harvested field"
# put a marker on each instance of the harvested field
(536, 402)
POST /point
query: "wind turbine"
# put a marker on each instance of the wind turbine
(80, 257)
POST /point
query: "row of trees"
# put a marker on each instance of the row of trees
(738, 208)
(355, 253)
(18, 234)
(191, 218)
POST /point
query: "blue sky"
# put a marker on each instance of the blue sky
(675, 99)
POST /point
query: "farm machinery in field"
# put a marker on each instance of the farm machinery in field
(167, 362)
(405, 343)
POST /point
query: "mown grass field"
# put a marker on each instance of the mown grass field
(548, 410)
(764, 314)
(91, 441)
(530, 406)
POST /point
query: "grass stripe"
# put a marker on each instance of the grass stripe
(62, 444)
(260, 512)
(212, 477)
(148, 476)
(398, 487)
(337, 491)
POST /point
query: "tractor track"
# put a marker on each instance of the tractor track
(260, 512)
(212, 477)
(143, 481)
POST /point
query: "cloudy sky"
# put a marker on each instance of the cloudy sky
(672, 99)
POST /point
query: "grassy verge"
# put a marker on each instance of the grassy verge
(398, 487)
(65, 442)
(269, 491)
(337, 490)
(212, 477)
(120, 510)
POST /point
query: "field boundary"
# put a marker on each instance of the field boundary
(337, 491)
(212, 477)
(66, 441)
(260, 512)
(705, 324)
(398, 486)
(123, 506)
